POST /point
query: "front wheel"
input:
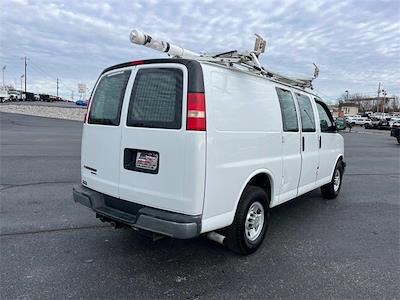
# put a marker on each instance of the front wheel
(331, 190)
(249, 227)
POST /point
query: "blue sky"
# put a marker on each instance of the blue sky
(356, 44)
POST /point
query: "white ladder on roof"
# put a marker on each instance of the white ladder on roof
(248, 60)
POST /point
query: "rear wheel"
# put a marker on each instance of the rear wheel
(248, 229)
(332, 189)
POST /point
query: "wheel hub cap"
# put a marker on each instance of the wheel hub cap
(336, 180)
(254, 221)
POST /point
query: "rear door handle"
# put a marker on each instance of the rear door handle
(303, 142)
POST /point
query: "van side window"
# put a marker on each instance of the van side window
(288, 110)
(156, 99)
(325, 121)
(106, 105)
(306, 113)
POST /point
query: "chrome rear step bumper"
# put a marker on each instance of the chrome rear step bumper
(138, 216)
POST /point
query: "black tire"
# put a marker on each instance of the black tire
(398, 139)
(236, 238)
(328, 190)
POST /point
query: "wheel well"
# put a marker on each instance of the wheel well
(263, 181)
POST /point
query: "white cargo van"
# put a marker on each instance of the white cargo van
(184, 147)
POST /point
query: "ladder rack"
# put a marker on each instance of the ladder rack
(234, 59)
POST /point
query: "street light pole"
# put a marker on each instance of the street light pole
(25, 74)
(3, 69)
(347, 95)
(377, 98)
(22, 76)
(384, 93)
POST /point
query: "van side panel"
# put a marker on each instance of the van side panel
(243, 135)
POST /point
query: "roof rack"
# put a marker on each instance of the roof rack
(247, 61)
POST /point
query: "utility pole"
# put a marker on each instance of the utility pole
(57, 88)
(25, 75)
(384, 93)
(22, 76)
(377, 99)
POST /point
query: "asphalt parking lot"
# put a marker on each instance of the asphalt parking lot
(53, 248)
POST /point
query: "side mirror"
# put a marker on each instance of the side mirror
(340, 124)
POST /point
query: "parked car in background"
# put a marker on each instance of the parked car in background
(44, 97)
(81, 103)
(395, 131)
(384, 125)
(4, 95)
(28, 96)
(358, 120)
(394, 120)
(396, 124)
(373, 124)
(14, 95)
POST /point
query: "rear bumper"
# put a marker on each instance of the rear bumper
(138, 216)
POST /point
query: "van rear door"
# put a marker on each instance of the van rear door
(101, 137)
(162, 164)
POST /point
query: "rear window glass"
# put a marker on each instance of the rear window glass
(107, 100)
(156, 99)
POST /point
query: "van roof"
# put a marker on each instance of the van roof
(195, 72)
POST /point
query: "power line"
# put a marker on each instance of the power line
(47, 74)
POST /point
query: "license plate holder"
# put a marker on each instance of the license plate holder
(146, 160)
(141, 160)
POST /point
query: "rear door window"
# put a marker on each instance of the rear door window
(106, 105)
(156, 99)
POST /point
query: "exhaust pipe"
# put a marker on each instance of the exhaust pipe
(216, 237)
(139, 38)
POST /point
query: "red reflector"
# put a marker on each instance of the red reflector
(196, 112)
(137, 62)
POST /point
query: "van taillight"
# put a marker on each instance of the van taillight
(85, 118)
(196, 112)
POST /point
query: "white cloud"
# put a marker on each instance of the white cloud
(355, 43)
